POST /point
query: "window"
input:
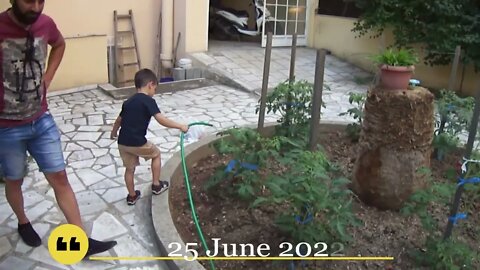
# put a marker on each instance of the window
(341, 8)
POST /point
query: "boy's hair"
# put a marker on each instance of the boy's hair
(143, 77)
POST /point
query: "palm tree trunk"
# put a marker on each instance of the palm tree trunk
(395, 142)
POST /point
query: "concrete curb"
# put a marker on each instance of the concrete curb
(72, 90)
(165, 230)
(167, 87)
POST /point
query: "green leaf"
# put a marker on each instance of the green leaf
(258, 201)
(341, 181)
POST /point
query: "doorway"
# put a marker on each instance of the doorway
(287, 18)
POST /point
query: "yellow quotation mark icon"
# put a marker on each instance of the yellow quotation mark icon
(68, 244)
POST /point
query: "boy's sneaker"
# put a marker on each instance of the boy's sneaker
(157, 189)
(29, 235)
(131, 200)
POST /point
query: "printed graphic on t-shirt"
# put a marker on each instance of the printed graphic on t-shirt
(23, 64)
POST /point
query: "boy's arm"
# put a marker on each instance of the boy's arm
(115, 128)
(164, 121)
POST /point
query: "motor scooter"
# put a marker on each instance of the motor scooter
(228, 22)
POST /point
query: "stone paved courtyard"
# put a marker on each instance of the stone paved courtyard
(96, 173)
(243, 63)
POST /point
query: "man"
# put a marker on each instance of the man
(25, 123)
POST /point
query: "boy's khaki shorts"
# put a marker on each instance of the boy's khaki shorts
(130, 154)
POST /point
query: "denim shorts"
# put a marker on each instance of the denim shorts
(41, 138)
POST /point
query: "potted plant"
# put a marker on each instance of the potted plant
(396, 67)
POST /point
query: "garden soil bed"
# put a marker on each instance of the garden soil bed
(384, 233)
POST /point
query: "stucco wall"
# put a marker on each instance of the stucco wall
(334, 33)
(191, 20)
(88, 27)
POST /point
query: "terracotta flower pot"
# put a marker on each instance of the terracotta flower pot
(393, 77)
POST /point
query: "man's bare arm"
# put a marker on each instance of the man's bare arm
(54, 60)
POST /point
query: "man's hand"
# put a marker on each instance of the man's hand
(46, 83)
(184, 128)
(54, 59)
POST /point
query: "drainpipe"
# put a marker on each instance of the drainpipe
(167, 34)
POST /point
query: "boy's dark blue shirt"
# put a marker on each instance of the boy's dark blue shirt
(136, 114)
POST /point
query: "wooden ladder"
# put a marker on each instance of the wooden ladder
(123, 73)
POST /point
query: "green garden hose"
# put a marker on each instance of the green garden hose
(189, 191)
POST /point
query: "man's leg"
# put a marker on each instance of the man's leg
(46, 149)
(65, 197)
(12, 160)
(13, 155)
(14, 194)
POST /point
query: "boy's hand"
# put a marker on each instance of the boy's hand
(184, 128)
(113, 135)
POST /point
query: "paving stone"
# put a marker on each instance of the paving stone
(105, 184)
(89, 176)
(106, 222)
(81, 164)
(95, 120)
(114, 152)
(91, 127)
(121, 206)
(38, 210)
(5, 246)
(168, 145)
(87, 136)
(90, 203)
(4, 230)
(105, 142)
(87, 145)
(15, 263)
(41, 229)
(97, 265)
(104, 160)
(21, 248)
(73, 116)
(79, 121)
(80, 155)
(115, 194)
(40, 268)
(128, 246)
(109, 171)
(99, 152)
(100, 191)
(65, 128)
(73, 147)
(41, 254)
(68, 136)
(5, 212)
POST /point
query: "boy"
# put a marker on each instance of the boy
(132, 144)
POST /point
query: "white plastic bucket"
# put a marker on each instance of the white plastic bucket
(184, 63)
